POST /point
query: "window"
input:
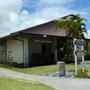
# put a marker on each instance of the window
(44, 48)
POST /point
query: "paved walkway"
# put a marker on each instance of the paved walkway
(55, 82)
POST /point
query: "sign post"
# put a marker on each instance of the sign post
(83, 59)
(79, 52)
(75, 57)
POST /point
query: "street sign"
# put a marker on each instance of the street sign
(80, 53)
(80, 42)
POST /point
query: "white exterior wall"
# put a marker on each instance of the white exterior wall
(18, 50)
(15, 50)
(21, 50)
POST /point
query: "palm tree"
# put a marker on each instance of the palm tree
(74, 26)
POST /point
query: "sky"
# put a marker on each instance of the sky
(16, 15)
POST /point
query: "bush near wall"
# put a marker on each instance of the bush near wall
(82, 74)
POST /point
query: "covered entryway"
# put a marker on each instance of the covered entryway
(44, 51)
(41, 51)
(36, 45)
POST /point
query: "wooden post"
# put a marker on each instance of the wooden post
(75, 57)
(82, 47)
(55, 50)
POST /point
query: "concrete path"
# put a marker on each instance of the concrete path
(55, 82)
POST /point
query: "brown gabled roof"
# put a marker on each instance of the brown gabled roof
(41, 29)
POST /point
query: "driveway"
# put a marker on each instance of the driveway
(59, 83)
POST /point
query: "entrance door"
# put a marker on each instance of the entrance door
(46, 48)
(42, 54)
(47, 54)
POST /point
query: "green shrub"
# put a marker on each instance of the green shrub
(88, 57)
(20, 65)
(10, 60)
(82, 74)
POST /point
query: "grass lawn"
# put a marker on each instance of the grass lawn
(88, 67)
(40, 70)
(70, 67)
(14, 84)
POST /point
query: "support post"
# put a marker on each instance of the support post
(55, 50)
(75, 57)
(82, 47)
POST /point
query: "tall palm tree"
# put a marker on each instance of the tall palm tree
(74, 26)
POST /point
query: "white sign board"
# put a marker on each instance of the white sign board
(80, 53)
(80, 42)
(42, 41)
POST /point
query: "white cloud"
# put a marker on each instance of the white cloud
(87, 35)
(13, 19)
(10, 6)
(50, 13)
(9, 10)
(42, 16)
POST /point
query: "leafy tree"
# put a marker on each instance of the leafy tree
(74, 27)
